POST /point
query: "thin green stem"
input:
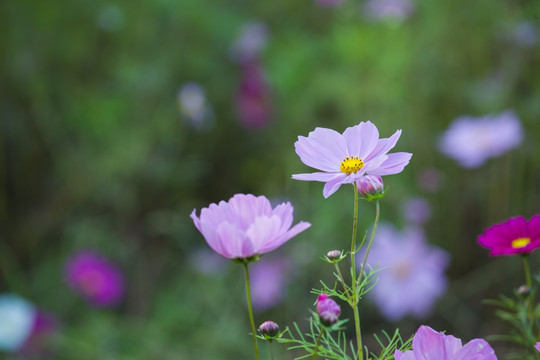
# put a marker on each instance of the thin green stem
(353, 300)
(377, 215)
(270, 347)
(248, 295)
(342, 281)
(527, 270)
(318, 343)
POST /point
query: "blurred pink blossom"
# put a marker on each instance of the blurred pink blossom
(416, 210)
(97, 279)
(268, 282)
(253, 97)
(411, 276)
(472, 141)
(388, 9)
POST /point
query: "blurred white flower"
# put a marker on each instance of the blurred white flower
(17, 317)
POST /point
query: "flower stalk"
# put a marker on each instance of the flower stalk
(252, 323)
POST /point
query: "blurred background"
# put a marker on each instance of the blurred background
(119, 118)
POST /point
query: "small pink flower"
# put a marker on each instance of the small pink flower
(97, 279)
(370, 185)
(246, 226)
(537, 346)
(346, 158)
(514, 236)
(430, 344)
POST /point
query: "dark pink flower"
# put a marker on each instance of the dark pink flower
(253, 101)
(514, 236)
(98, 280)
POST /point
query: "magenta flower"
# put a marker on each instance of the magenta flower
(97, 279)
(345, 158)
(514, 236)
(246, 226)
(411, 276)
(471, 141)
(430, 344)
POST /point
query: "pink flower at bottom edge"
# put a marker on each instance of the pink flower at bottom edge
(430, 344)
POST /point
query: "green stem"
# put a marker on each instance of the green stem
(377, 214)
(270, 347)
(248, 294)
(527, 270)
(342, 281)
(354, 296)
(318, 343)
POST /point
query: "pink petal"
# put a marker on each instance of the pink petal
(295, 230)
(285, 212)
(263, 231)
(323, 149)
(361, 139)
(393, 165)
(245, 208)
(430, 344)
(477, 349)
(231, 242)
(333, 185)
(384, 145)
(317, 176)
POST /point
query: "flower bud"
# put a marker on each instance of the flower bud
(328, 310)
(333, 255)
(524, 290)
(269, 329)
(328, 318)
(370, 186)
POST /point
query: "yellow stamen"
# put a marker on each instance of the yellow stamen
(521, 242)
(351, 165)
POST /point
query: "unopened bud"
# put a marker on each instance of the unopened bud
(333, 255)
(524, 290)
(328, 318)
(328, 310)
(269, 329)
(370, 186)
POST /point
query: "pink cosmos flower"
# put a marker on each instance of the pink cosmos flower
(246, 226)
(97, 279)
(471, 141)
(345, 158)
(514, 236)
(430, 344)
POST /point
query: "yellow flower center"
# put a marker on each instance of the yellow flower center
(521, 242)
(351, 165)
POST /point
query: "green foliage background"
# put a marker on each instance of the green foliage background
(94, 154)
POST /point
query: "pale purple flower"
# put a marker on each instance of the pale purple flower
(537, 346)
(388, 9)
(430, 344)
(253, 102)
(346, 158)
(268, 282)
(471, 141)
(97, 279)
(250, 43)
(411, 275)
(416, 210)
(246, 226)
